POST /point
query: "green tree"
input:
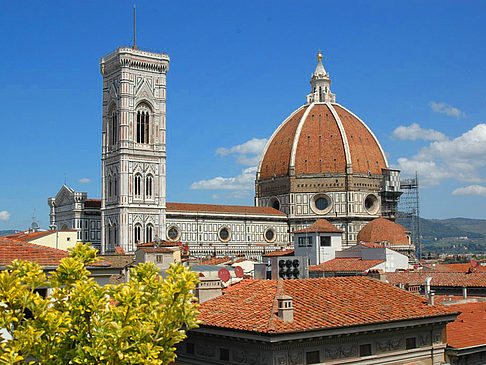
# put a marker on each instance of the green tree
(139, 322)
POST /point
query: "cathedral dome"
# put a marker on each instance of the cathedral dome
(322, 137)
(382, 230)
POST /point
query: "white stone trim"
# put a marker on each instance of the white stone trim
(297, 136)
(369, 130)
(344, 137)
(273, 136)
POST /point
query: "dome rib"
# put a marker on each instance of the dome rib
(344, 137)
(369, 131)
(297, 136)
(322, 138)
(266, 151)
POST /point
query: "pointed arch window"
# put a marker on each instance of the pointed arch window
(113, 128)
(137, 185)
(109, 186)
(149, 185)
(149, 233)
(143, 125)
(137, 232)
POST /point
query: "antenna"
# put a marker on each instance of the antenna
(134, 27)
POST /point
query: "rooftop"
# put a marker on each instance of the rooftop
(322, 303)
(12, 248)
(322, 226)
(279, 253)
(469, 329)
(212, 208)
(346, 264)
(383, 230)
(27, 236)
(461, 279)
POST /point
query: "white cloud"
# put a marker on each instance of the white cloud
(244, 181)
(4, 215)
(247, 153)
(461, 158)
(470, 190)
(414, 132)
(446, 109)
(85, 180)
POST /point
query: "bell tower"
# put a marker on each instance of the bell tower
(133, 159)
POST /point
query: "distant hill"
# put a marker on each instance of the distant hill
(451, 228)
(7, 232)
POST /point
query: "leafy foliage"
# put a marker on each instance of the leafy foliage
(79, 322)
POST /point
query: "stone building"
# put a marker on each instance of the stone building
(347, 320)
(321, 162)
(73, 210)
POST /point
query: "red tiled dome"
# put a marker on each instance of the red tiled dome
(322, 138)
(383, 230)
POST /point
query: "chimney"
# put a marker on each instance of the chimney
(427, 286)
(377, 274)
(431, 298)
(285, 308)
(464, 292)
(207, 289)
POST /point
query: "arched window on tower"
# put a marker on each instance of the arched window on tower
(149, 184)
(137, 183)
(143, 124)
(113, 128)
(110, 236)
(137, 233)
(109, 187)
(320, 94)
(149, 233)
(115, 235)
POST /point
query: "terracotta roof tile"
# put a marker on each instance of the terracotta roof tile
(355, 264)
(321, 225)
(469, 329)
(365, 152)
(383, 230)
(438, 278)
(318, 304)
(279, 253)
(11, 249)
(462, 267)
(28, 236)
(210, 208)
(320, 147)
(277, 157)
(215, 261)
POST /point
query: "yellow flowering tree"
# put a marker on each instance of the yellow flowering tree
(79, 322)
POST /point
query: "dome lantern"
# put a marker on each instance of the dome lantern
(320, 84)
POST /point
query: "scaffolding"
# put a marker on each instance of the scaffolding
(409, 211)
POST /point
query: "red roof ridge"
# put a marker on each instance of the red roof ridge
(278, 293)
(221, 208)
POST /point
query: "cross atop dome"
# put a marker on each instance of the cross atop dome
(320, 84)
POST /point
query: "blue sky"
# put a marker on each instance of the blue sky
(414, 71)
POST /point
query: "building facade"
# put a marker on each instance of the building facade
(352, 320)
(133, 147)
(321, 162)
(73, 210)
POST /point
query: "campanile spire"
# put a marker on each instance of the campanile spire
(320, 84)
